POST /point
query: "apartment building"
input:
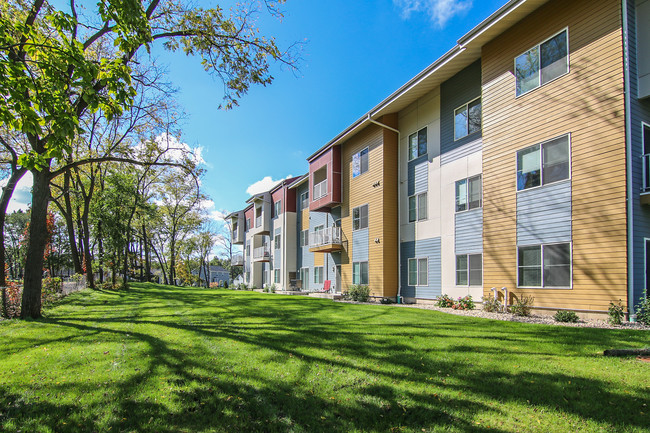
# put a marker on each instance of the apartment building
(517, 164)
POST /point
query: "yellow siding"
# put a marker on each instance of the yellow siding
(588, 103)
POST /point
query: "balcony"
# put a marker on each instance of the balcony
(326, 241)
(262, 254)
(320, 190)
(237, 260)
(645, 190)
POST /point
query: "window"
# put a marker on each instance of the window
(304, 200)
(277, 208)
(418, 272)
(469, 194)
(318, 275)
(542, 63)
(360, 217)
(276, 240)
(467, 119)
(360, 163)
(304, 238)
(543, 163)
(248, 224)
(547, 265)
(418, 144)
(418, 207)
(646, 157)
(469, 270)
(360, 273)
(276, 276)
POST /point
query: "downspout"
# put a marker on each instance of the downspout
(628, 157)
(399, 249)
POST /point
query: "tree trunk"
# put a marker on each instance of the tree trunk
(70, 224)
(100, 251)
(7, 192)
(162, 264)
(172, 262)
(31, 302)
(147, 254)
(90, 277)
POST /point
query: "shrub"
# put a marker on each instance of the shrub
(492, 305)
(522, 306)
(445, 301)
(214, 285)
(13, 293)
(615, 313)
(225, 284)
(566, 316)
(51, 290)
(465, 303)
(272, 288)
(643, 312)
(358, 293)
(387, 301)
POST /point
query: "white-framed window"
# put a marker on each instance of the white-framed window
(304, 200)
(418, 207)
(467, 119)
(360, 273)
(469, 194)
(318, 275)
(645, 132)
(543, 163)
(545, 265)
(276, 239)
(543, 63)
(360, 217)
(304, 277)
(277, 208)
(276, 276)
(304, 238)
(360, 163)
(418, 144)
(248, 224)
(418, 272)
(469, 269)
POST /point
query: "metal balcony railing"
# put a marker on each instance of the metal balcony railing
(237, 260)
(320, 190)
(261, 253)
(646, 172)
(258, 221)
(328, 236)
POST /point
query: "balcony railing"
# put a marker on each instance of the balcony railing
(237, 260)
(258, 221)
(262, 253)
(320, 190)
(646, 172)
(235, 234)
(328, 236)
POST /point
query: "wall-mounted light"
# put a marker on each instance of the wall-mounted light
(377, 240)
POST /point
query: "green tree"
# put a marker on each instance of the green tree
(52, 72)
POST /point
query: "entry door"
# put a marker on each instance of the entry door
(337, 288)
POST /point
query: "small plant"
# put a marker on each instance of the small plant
(566, 316)
(492, 305)
(464, 303)
(272, 288)
(522, 306)
(643, 312)
(358, 293)
(615, 313)
(387, 301)
(445, 301)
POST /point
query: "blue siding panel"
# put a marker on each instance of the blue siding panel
(411, 172)
(544, 214)
(456, 91)
(461, 151)
(421, 172)
(431, 249)
(360, 245)
(468, 237)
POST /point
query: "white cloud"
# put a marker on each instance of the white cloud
(174, 150)
(264, 185)
(214, 213)
(22, 196)
(440, 11)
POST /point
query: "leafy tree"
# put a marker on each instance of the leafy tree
(52, 71)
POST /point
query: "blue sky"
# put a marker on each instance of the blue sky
(355, 53)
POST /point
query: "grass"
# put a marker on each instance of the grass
(161, 359)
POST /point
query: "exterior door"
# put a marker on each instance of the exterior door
(337, 287)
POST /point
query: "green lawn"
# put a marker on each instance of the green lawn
(162, 359)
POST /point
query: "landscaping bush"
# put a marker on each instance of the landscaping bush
(445, 301)
(52, 289)
(616, 313)
(214, 285)
(13, 294)
(387, 301)
(465, 303)
(643, 312)
(492, 305)
(358, 293)
(522, 306)
(566, 316)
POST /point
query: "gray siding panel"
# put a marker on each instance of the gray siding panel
(431, 249)
(456, 91)
(468, 229)
(462, 151)
(421, 178)
(411, 172)
(360, 245)
(544, 214)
